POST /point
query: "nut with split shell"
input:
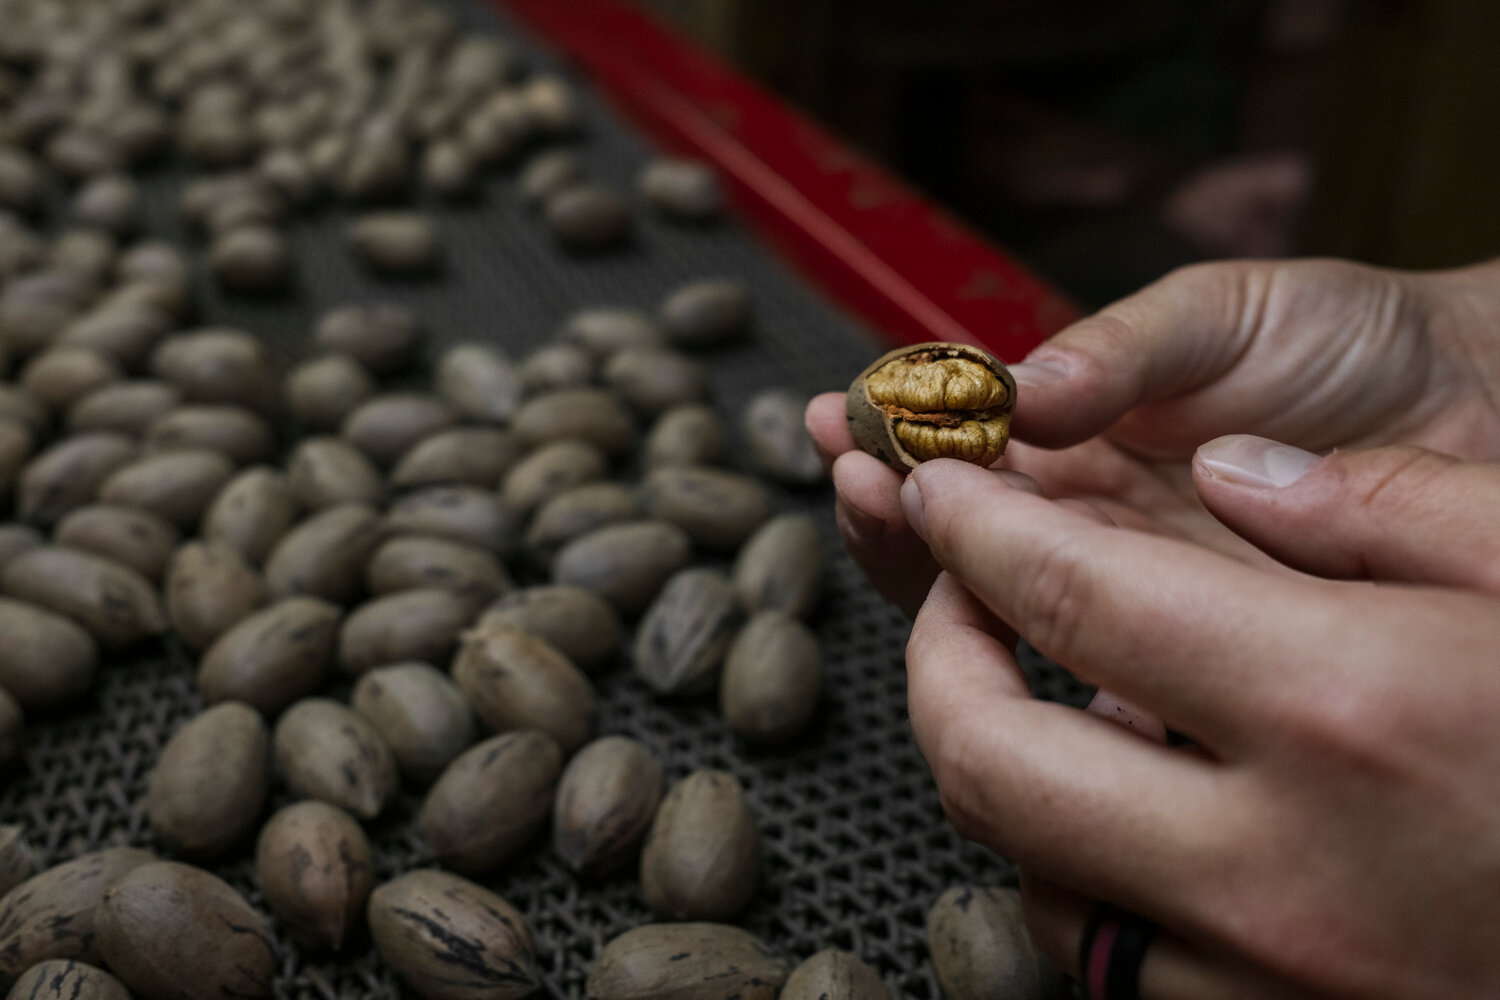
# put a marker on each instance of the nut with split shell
(932, 400)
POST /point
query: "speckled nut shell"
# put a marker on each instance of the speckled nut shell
(932, 400)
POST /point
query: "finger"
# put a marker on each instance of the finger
(1050, 786)
(1091, 509)
(1094, 468)
(1107, 704)
(828, 426)
(868, 512)
(1210, 645)
(1110, 706)
(1157, 498)
(1387, 513)
(1173, 969)
(1181, 332)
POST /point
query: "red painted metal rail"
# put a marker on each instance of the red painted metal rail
(910, 269)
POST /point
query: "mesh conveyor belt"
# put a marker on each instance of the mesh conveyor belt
(856, 848)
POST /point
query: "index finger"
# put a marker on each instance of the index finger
(1209, 644)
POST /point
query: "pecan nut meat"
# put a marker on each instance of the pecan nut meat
(932, 400)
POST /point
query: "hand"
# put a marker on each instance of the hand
(1336, 833)
(1318, 354)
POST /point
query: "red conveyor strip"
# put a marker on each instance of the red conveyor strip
(907, 267)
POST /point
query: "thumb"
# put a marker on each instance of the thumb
(1397, 513)
(1174, 336)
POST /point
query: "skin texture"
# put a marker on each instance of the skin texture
(1192, 542)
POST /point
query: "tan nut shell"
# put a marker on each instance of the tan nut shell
(313, 864)
(686, 961)
(450, 939)
(170, 931)
(980, 947)
(701, 859)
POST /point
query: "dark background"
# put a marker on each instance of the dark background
(1107, 141)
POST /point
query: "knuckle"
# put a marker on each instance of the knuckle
(1355, 734)
(1096, 346)
(1110, 332)
(959, 810)
(1213, 281)
(1205, 275)
(1054, 601)
(950, 762)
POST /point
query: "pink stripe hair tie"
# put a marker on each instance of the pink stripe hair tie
(1110, 955)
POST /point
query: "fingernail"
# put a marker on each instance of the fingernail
(911, 505)
(1257, 462)
(1036, 373)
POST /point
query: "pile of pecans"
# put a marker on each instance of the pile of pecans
(287, 104)
(466, 555)
(386, 580)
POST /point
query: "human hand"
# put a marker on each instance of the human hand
(1318, 354)
(1336, 832)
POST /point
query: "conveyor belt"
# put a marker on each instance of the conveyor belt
(856, 848)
